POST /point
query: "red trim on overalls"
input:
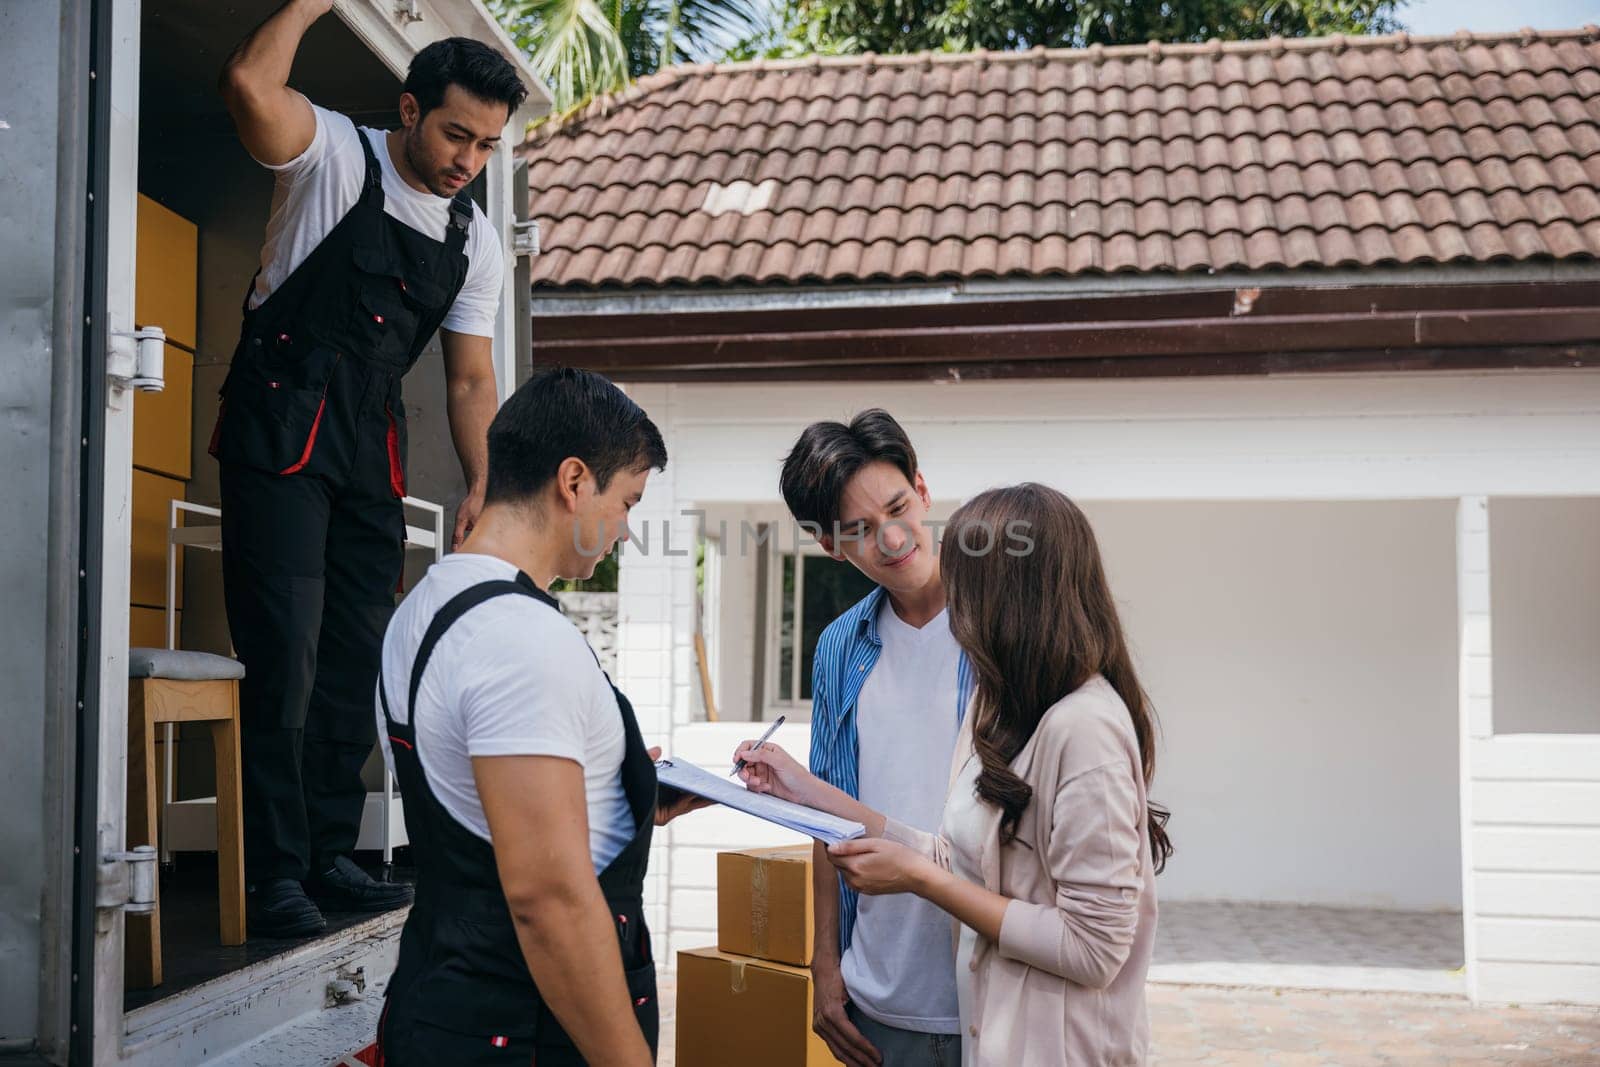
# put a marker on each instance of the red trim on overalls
(311, 438)
(397, 474)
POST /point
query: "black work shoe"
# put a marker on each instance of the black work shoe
(343, 886)
(279, 907)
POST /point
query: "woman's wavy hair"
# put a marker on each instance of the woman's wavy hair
(1030, 605)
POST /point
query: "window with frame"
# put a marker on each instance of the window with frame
(806, 591)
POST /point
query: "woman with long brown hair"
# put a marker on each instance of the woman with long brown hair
(1049, 845)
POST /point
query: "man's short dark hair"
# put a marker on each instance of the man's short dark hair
(829, 454)
(473, 65)
(562, 413)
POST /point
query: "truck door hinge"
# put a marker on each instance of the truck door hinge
(127, 880)
(525, 237)
(137, 359)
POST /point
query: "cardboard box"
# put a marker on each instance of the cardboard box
(733, 1009)
(162, 421)
(166, 272)
(147, 627)
(764, 903)
(152, 499)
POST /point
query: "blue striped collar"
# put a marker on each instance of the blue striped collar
(866, 615)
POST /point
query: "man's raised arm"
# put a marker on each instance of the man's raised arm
(539, 825)
(275, 123)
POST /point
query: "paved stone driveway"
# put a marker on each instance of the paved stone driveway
(1196, 1026)
(1287, 946)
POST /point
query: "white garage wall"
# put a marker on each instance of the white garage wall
(1327, 437)
(1302, 657)
(1545, 576)
(1532, 807)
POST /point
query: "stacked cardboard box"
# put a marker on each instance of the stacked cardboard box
(750, 997)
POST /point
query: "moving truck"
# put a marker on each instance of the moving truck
(133, 219)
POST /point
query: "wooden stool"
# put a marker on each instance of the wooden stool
(171, 686)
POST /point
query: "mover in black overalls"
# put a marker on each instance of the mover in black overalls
(527, 942)
(359, 272)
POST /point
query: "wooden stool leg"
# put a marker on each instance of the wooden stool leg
(142, 950)
(230, 822)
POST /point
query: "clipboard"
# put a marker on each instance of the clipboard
(688, 778)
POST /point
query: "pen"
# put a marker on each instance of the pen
(739, 765)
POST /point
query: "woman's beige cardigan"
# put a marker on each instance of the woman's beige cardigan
(1065, 983)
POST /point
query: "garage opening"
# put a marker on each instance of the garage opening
(1302, 657)
(1303, 660)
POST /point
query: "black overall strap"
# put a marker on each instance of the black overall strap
(447, 617)
(455, 237)
(372, 184)
(460, 228)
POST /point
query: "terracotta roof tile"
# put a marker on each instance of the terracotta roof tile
(1570, 173)
(1525, 240)
(1170, 158)
(1582, 205)
(1216, 184)
(1373, 246)
(1432, 208)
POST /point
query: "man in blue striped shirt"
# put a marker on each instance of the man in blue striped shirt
(888, 689)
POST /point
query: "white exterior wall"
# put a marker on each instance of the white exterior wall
(655, 633)
(1544, 569)
(1531, 808)
(1334, 438)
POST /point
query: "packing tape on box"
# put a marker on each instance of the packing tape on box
(737, 985)
(758, 906)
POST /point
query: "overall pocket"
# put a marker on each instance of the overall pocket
(390, 311)
(275, 398)
(646, 1008)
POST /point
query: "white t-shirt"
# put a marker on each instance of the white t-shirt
(512, 677)
(319, 186)
(900, 967)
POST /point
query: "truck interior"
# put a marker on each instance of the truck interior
(203, 206)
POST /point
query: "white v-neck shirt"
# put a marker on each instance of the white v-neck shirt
(318, 187)
(900, 967)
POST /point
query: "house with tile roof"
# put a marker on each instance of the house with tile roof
(1309, 327)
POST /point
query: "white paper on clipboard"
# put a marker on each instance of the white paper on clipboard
(688, 778)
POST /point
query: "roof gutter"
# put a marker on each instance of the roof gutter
(547, 302)
(1238, 330)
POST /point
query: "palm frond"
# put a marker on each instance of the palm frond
(572, 44)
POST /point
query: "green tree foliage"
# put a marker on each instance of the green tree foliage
(583, 48)
(896, 26)
(604, 579)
